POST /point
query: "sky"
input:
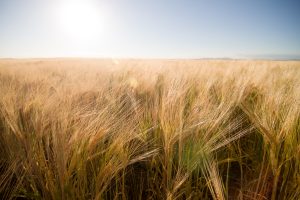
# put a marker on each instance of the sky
(150, 28)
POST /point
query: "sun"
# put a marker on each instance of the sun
(81, 20)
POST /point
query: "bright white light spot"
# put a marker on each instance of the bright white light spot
(81, 20)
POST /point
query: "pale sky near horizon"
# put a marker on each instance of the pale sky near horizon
(150, 28)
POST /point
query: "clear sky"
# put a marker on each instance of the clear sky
(150, 28)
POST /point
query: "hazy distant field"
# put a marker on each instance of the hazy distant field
(149, 129)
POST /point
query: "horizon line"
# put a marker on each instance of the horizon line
(296, 58)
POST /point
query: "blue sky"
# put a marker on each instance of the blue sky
(154, 29)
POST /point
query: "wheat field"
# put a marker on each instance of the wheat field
(149, 129)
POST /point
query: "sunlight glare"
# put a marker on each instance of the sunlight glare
(81, 20)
